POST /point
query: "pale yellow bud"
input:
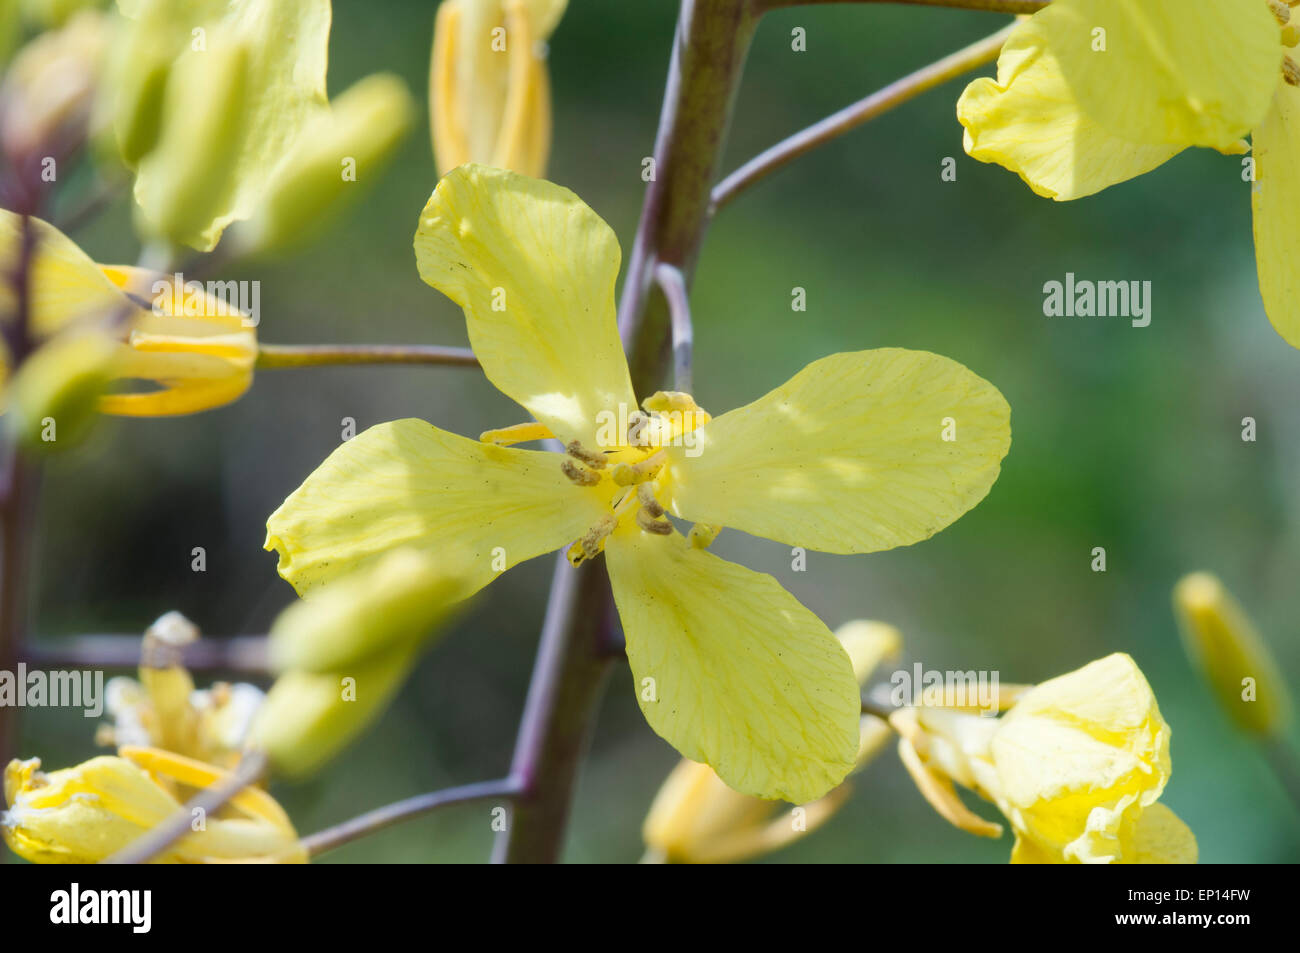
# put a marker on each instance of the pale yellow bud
(489, 92)
(1233, 659)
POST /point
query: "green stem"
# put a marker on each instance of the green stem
(276, 356)
(573, 658)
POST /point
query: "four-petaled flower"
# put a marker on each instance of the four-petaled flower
(848, 456)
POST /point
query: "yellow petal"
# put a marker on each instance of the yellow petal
(1172, 72)
(1275, 200)
(731, 670)
(1161, 837)
(1029, 122)
(86, 813)
(66, 284)
(694, 808)
(849, 455)
(1078, 759)
(534, 269)
(483, 507)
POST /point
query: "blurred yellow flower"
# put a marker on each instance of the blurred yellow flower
(489, 93)
(697, 819)
(1233, 659)
(218, 102)
(847, 457)
(85, 814)
(164, 710)
(1090, 93)
(194, 347)
(1076, 766)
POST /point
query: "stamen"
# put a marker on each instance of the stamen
(1290, 71)
(628, 474)
(652, 525)
(646, 494)
(702, 535)
(579, 475)
(590, 546)
(592, 459)
(519, 433)
(1281, 12)
(1291, 35)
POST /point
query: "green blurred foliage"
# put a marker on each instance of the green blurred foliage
(1126, 438)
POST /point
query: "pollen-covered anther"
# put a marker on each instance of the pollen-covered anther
(1281, 11)
(646, 497)
(590, 457)
(637, 422)
(1290, 71)
(630, 474)
(591, 544)
(579, 475)
(647, 522)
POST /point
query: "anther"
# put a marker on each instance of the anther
(1290, 71)
(592, 459)
(579, 475)
(646, 495)
(651, 525)
(629, 474)
(593, 542)
(1281, 12)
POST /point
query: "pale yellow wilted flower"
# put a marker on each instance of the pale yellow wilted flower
(164, 710)
(343, 652)
(87, 813)
(1233, 659)
(697, 819)
(1076, 767)
(89, 325)
(489, 92)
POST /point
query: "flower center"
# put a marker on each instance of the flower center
(632, 454)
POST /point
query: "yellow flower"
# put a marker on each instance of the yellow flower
(697, 819)
(164, 710)
(85, 814)
(195, 346)
(216, 102)
(1076, 766)
(846, 457)
(343, 652)
(1237, 663)
(1094, 92)
(489, 93)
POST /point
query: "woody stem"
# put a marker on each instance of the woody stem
(709, 48)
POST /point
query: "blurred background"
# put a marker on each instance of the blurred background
(1125, 438)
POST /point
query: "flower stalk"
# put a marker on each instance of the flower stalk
(709, 50)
